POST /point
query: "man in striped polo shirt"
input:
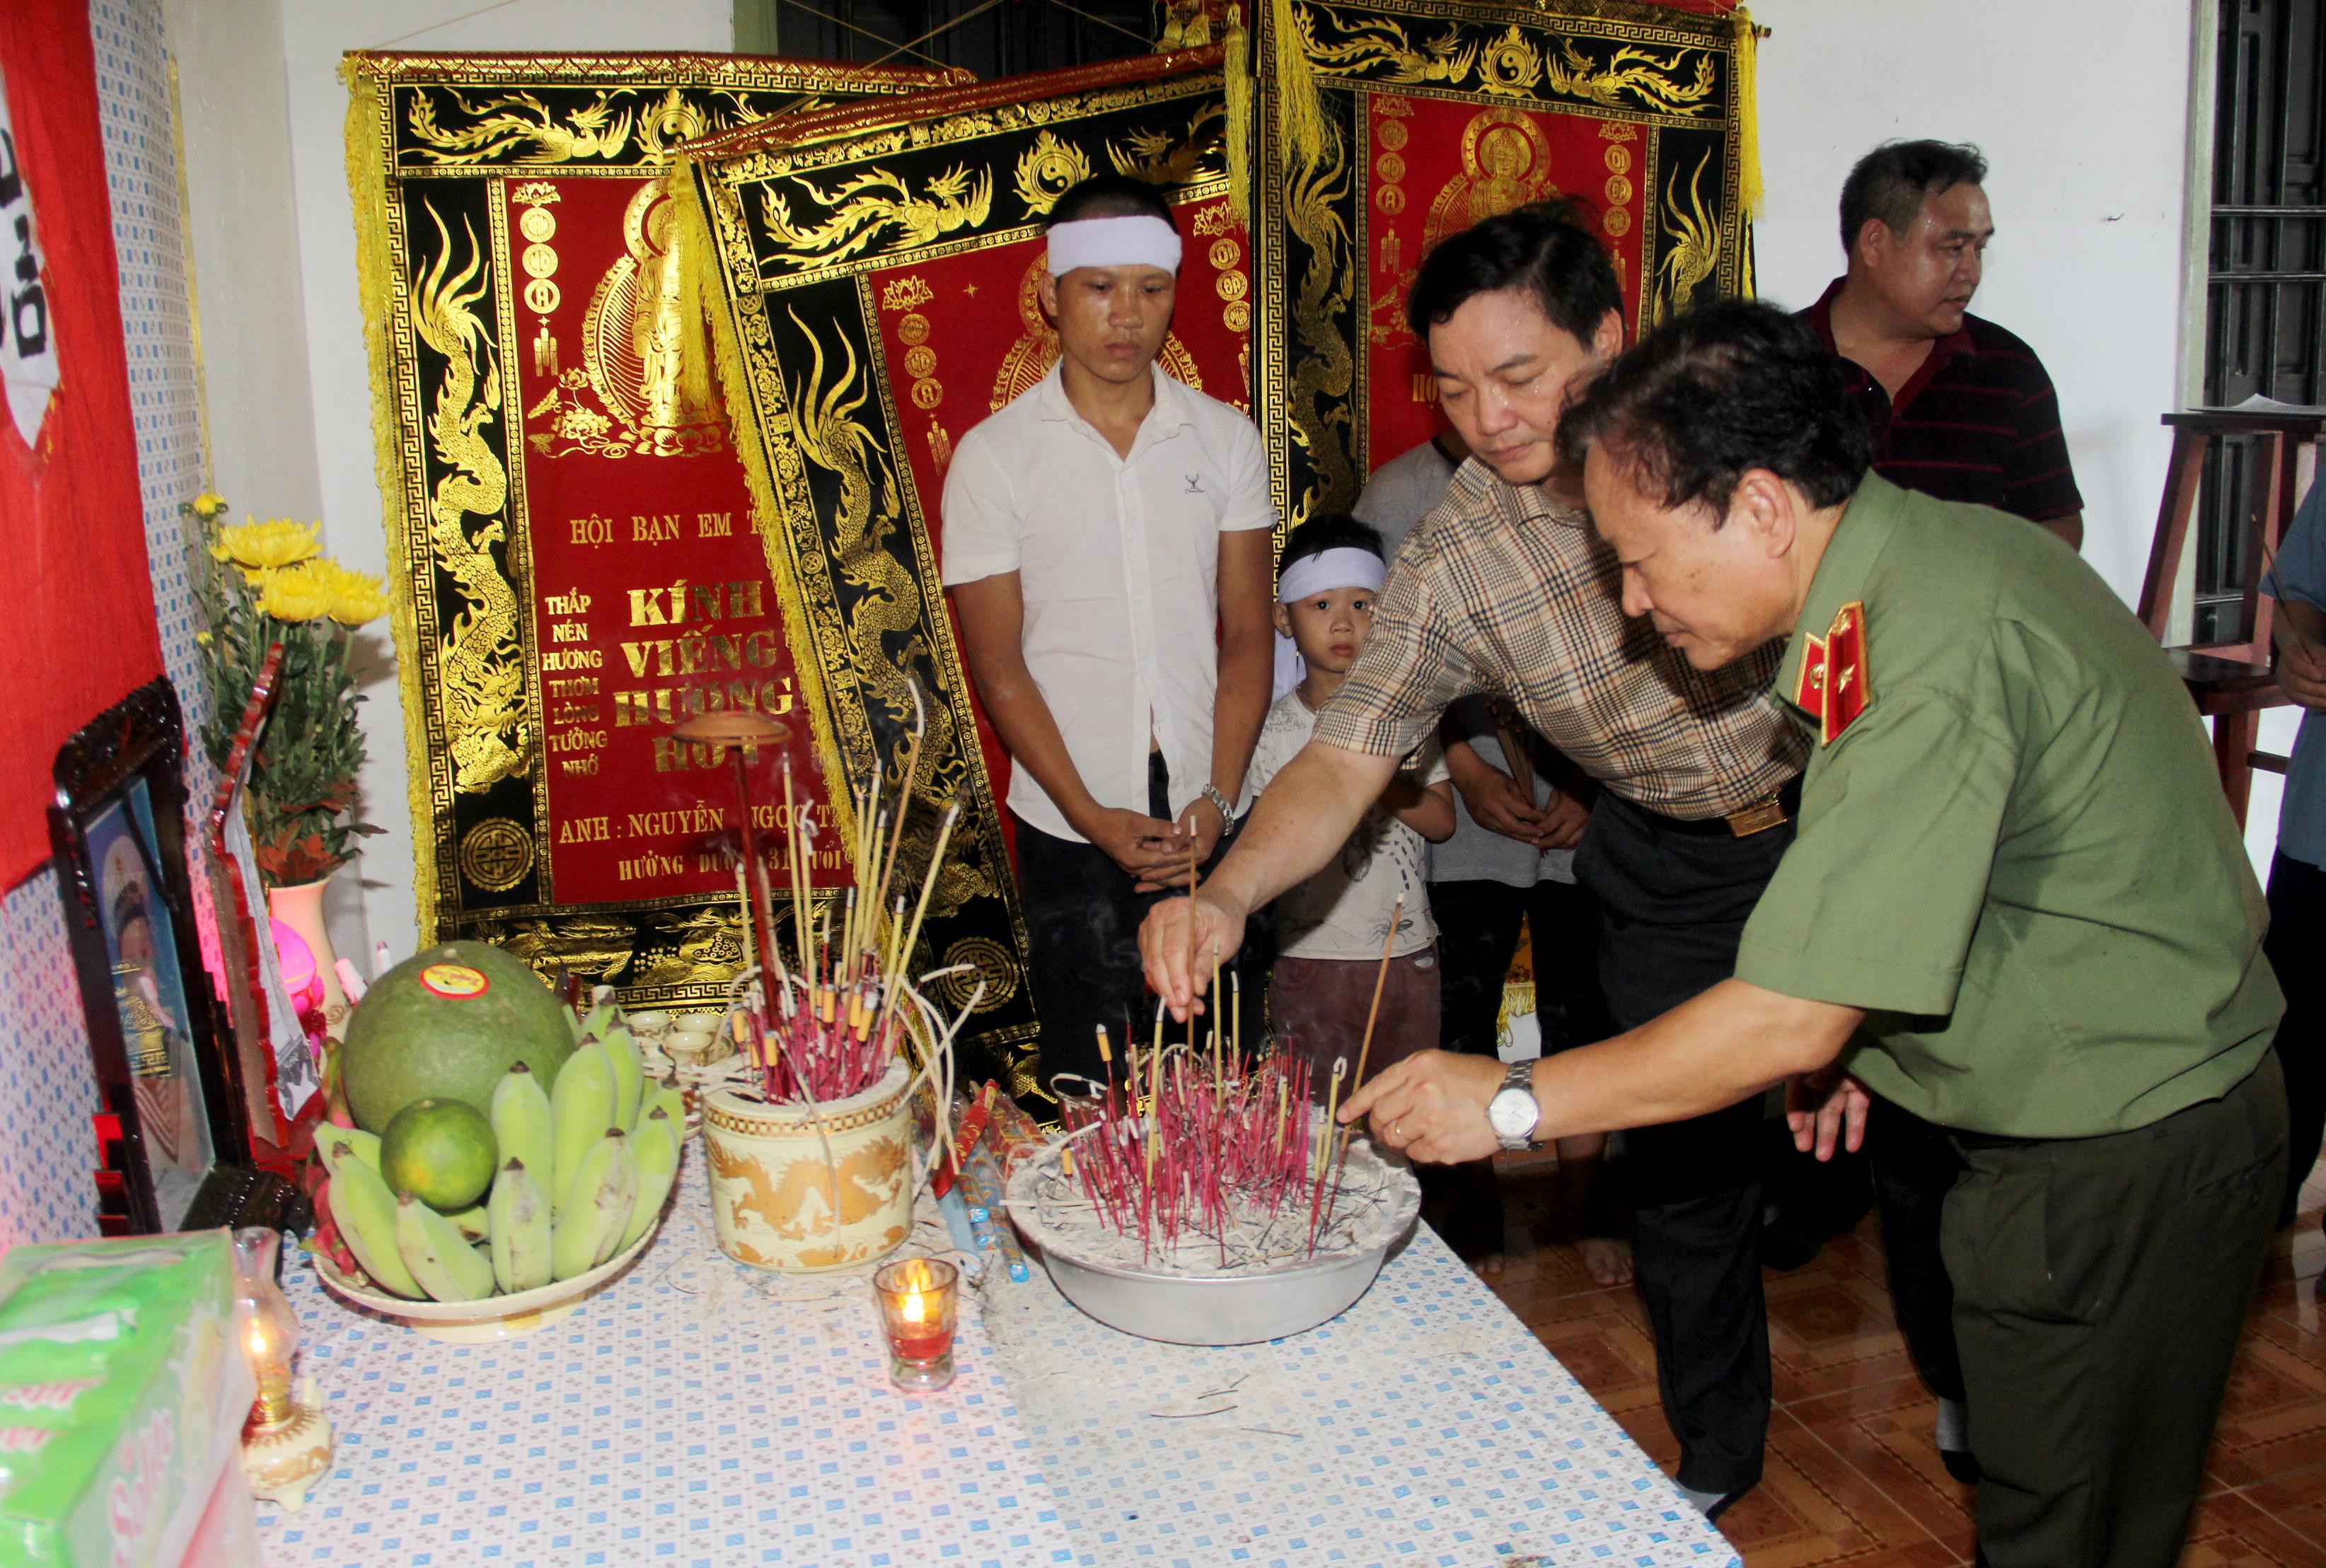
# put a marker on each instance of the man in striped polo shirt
(1961, 408)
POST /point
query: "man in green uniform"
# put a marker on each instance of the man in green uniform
(2017, 907)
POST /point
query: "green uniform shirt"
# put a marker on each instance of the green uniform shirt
(2017, 859)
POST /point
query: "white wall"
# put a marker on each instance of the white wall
(2083, 115)
(290, 387)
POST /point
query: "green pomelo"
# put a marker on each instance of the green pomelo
(442, 1152)
(426, 1029)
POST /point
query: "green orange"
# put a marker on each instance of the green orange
(441, 1151)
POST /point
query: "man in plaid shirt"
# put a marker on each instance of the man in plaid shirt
(1505, 589)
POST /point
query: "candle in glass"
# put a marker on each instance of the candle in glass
(269, 1330)
(917, 1301)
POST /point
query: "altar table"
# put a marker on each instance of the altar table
(700, 1412)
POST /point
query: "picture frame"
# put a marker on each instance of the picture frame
(173, 1134)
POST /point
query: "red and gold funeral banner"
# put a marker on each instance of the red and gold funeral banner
(1437, 116)
(877, 269)
(575, 568)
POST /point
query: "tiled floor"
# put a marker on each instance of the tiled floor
(1852, 1476)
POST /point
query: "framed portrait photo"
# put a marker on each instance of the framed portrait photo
(172, 1132)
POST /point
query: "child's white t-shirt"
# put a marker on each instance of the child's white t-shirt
(1343, 911)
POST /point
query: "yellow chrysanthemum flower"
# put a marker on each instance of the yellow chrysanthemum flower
(355, 597)
(209, 506)
(295, 593)
(258, 547)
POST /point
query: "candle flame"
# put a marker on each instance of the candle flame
(914, 1311)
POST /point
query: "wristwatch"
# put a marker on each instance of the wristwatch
(1514, 1112)
(1227, 807)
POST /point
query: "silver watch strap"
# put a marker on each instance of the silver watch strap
(1519, 1076)
(1227, 807)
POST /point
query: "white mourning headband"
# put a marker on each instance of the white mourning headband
(1342, 567)
(1113, 242)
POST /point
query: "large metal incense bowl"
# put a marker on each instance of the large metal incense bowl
(1238, 1309)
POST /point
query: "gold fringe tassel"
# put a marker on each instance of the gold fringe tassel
(1300, 104)
(369, 104)
(1748, 113)
(1236, 87)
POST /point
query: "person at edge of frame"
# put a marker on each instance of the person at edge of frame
(2297, 872)
(1505, 589)
(1108, 543)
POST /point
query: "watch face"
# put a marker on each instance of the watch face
(1511, 1113)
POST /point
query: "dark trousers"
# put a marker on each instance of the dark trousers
(1082, 934)
(2100, 1285)
(1673, 900)
(1318, 1010)
(1477, 936)
(1915, 1166)
(2296, 946)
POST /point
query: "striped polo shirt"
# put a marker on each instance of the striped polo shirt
(1978, 422)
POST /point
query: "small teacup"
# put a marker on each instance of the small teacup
(649, 1026)
(693, 1047)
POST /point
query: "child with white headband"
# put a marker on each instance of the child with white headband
(1332, 928)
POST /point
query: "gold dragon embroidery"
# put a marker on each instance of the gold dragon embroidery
(1162, 158)
(1654, 82)
(885, 640)
(1317, 407)
(1509, 65)
(1693, 255)
(478, 662)
(867, 205)
(1379, 46)
(806, 1202)
(600, 130)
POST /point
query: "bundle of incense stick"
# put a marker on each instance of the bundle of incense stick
(1216, 1144)
(844, 1016)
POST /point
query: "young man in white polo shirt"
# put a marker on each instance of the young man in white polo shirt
(1108, 539)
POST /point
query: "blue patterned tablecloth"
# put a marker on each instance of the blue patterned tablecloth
(700, 1412)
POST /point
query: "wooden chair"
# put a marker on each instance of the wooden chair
(2230, 681)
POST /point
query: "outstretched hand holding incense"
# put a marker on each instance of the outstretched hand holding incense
(1178, 973)
(1432, 1106)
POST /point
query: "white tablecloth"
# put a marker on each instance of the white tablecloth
(700, 1413)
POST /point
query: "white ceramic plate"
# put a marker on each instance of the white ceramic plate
(496, 1317)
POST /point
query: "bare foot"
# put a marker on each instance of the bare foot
(1487, 1265)
(1608, 1260)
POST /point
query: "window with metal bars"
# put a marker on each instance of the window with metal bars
(992, 38)
(2265, 288)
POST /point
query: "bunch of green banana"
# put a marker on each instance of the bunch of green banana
(585, 1168)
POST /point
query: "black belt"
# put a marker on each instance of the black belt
(1773, 811)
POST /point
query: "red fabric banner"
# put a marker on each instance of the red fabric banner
(79, 632)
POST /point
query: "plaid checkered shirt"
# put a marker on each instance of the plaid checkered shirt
(1501, 590)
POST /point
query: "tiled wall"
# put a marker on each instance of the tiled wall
(46, 1092)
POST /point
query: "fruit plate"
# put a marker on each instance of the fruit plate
(496, 1317)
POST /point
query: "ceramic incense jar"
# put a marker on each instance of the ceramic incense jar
(801, 1191)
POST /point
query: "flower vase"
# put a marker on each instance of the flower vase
(301, 907)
